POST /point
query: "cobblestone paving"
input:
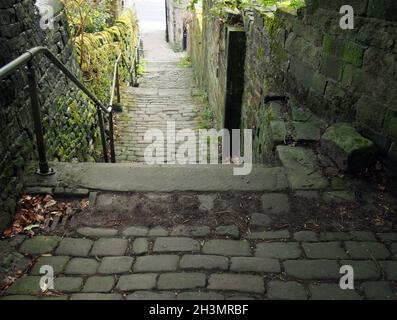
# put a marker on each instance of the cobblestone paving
(164, 94)
(194, 263)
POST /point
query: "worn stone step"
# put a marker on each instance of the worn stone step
(302, 167)
(162, 178)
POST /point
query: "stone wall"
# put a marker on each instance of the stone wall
(341, 75)
(176, 16)
(69, 121)
(210, 60)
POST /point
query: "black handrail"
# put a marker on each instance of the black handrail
(115, 86)
(27, 59)
(134, 66)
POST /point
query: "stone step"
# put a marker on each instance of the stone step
(302, 166)
(157, 93)
(161, 178)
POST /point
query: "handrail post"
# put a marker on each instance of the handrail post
(118, 85)
(103, 136)
(44, 168)
(111, 132)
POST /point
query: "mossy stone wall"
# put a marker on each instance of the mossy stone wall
(341, 75)
(69, 121)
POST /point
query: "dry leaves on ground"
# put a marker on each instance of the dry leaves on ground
(33, 211)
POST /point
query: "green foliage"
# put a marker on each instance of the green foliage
(141, 68)
(224, 8)
(185, 62)
(207, 113)
(97, 53)
(87, 16)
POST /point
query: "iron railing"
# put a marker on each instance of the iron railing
(134, 67)
(26, 60)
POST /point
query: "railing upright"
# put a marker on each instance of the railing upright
(111, 132)
(44, 168)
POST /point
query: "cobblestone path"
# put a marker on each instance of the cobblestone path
(203, 263)
(164, 94)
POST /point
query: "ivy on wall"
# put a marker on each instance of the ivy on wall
(224, 8)
(98, 52)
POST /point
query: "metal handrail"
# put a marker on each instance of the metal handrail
(134, 66)
(27, 59)
(115, 86)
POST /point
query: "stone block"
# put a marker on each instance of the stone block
(176, 245)
(269, 235)
(364, 269)
(96, 296)
(74, 247)
(68, 284)
(347, 148)
(140, 246)
(306, 131)
(236, 282)
(329, 291)
(97, 232)
(137, 282)
(135, 232)
(179, 281)
(278, 132)
(115, 265)
(109, 247)
(39, 245)
(291, 290)
(367, 250)
(197, 296)
(25, 286)
(99, 284)
(324, 250)
(159, 263)
(302, 168)
(312, 269)
(57, 263)
(81, 266)
(259, 220)
(378, 290)
(228, 231)
(227, 248)
(259, 265)
(370, 112)
(278, 250)
(305, 236)
(206, 262)
(149, 295)
(382, 9)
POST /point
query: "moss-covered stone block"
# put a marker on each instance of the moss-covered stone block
(40, 245)
(370, 113)
(347, 76)
(278, 132)
(332, 46)
(25, 286)
(347, 148)
(334, 91)
(353, 53)
(332, 67)
(306, 131)
(391, 123)
(319, 83)
(383, 9)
